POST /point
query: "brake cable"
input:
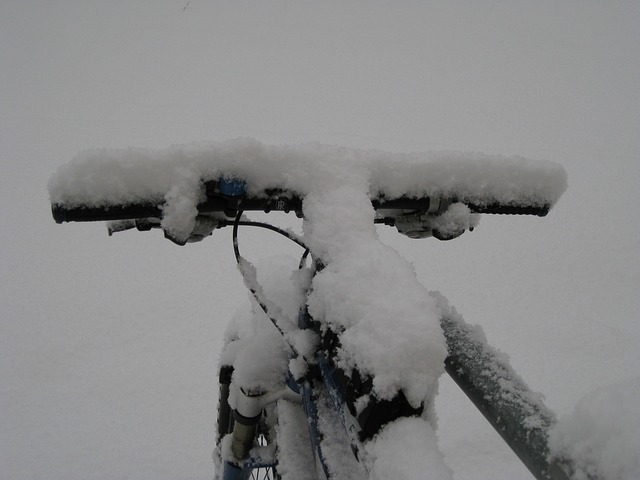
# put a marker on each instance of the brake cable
(239, 259)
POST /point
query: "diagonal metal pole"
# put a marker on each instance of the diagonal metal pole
(515, 412)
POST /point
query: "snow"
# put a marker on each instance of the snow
(600, 438)
(257, 350)
(456, 219)
(180, 210)
(260, 361)
(335, 443)
(123, 176)
(369, 295)
(293, 443)
(407, 449)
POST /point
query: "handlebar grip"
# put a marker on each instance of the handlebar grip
(500, 209)
(63, 214)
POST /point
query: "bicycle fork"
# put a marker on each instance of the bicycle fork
(243, 422)
(249, 406)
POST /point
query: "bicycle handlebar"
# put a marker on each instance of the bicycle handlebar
(274, 200)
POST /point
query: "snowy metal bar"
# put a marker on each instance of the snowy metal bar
(516, 413)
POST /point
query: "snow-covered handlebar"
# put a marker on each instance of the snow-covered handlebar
(217, 202)
(180, 184)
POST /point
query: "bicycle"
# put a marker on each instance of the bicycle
(314, 383)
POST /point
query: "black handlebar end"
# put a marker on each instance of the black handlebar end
(506, 209)
(62, 214)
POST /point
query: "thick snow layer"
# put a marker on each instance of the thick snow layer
(295, 456)
(255, 349)
(601, 437)
(407, 449)
(387, 323)
(111, 176)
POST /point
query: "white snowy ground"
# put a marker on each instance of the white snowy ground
(109, 345)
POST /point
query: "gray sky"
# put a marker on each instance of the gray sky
(109, 344)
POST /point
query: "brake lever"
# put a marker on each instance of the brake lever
(142, 224)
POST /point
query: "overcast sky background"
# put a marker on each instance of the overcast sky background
(109, 345)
